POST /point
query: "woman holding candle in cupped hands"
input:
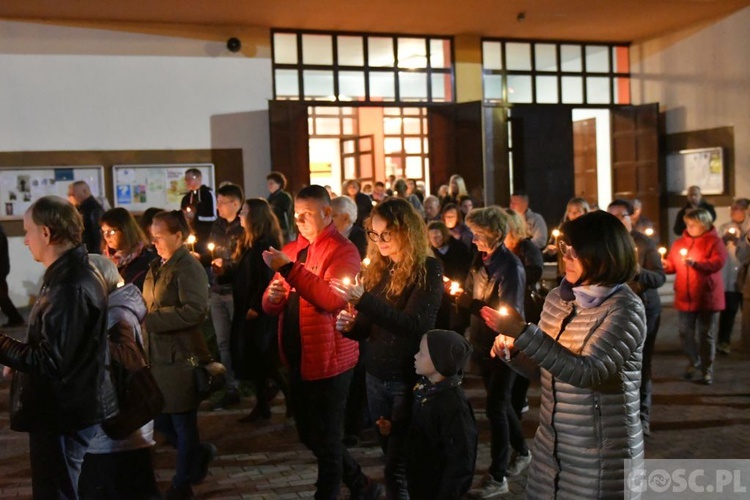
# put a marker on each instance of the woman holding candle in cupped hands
(395, 302)
(588, 348)
(697, 259)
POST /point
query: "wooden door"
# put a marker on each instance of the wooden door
(290, 149)
(635, 157)
(584, 160)
(542, 150)
(455, 139)
(357, 161)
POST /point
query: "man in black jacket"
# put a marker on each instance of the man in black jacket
(694, 200)
(282, 205)
(61, 388)
(92, 212)
(199, 205)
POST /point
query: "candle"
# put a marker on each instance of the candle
(683, 252)
(366, 262)
(347, 281)
(662, 251)
(649, 231)
(556, 234)
(454, 288)
(446, 279)
(503, 311)
(211, 247)
(191, 241)
(732, 230)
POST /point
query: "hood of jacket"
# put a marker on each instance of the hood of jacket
(123, 300)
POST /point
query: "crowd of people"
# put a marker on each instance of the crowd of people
(364, 310)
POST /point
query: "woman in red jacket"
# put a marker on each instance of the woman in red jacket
(697, 258)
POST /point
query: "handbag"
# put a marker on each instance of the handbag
(207, 378)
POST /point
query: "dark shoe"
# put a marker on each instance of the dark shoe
(272, 389)
(255, 415)
(231, 397)
(178, 493)
(690, 371)
(708, 379)
(371, 491)
(206, 454)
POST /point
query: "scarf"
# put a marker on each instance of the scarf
(122, 259)
(586, 296)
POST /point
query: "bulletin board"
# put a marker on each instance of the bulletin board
(138, 187)
(21, 186)
(696, 167)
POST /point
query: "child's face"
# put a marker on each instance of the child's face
(422, 360)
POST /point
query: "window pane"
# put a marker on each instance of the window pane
(620, 60)
(318, 84)
(597, 59)
(597, 90)
(414, 167)
(413, 145)
(287, 83)
(382, 86)
(348, 146)
(572, 90)
(317, 49)
(412, 53)
(392, 126)
(493, 87)
(392, 145)
(310, 126)
(519, 88)
(351, 85)
(426, 144)
(546, 57)
(365, 166)
(412, 86)
(441, 88)
(518, 56)
(622, 90)
(350, 50)
(570, 58)
(284, 48)
(411, 111)
(411, 126)
(350, 168)
(546, 89)
(491, 55)
(393, 166)
(440, 53)
(380, 52)
(348, 125)
(327, 126)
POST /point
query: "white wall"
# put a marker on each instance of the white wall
(603, 151)
(701, 79)
(71, 88)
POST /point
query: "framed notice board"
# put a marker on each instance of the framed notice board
(21, 186)
(702, 167)
(138, 187)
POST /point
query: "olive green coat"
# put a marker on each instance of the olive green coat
(176, 295)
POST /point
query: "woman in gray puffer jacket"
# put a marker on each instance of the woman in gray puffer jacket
(588, 345)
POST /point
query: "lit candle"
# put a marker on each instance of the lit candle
(683, 252)
(446, 279)
(555, 234)
(503, 311)
(649, 231)
(662, 251)
(347, 281)
(211, 247)
(366, 262)
(732, 230)
(191, 241)
(454, 288)
(188, 209)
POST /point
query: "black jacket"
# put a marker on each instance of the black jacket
(4, 256)
(225, 236)
(92, 212)
(283, 207)
(456, 261)
(358, 236)
(364, 207)
(203, 203)
(394, 330)
(442, 446)
(650, 273)
(61, 383)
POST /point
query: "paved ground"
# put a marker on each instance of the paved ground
(266, 461)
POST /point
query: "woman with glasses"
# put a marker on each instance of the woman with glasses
(126, 245)
(588, 347)
(393, 304)
(496, 275)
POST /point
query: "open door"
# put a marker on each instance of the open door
(455, 132)
(542, 149)
(635, 157)
(290, 153)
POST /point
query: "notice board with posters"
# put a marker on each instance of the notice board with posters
(21, 186)
(702, 167)
(139, 187)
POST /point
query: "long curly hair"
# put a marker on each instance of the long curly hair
(409, 231)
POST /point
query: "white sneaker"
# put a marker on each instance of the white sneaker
(490, 488)
(518, 464)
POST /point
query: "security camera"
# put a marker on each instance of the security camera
(234, 44)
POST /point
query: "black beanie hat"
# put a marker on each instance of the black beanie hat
(449, 351)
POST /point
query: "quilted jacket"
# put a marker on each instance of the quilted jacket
(589, 423)
(699, 287)
(325, 352)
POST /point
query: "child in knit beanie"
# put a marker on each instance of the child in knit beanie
(443, 435)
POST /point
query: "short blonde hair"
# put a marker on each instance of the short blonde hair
(701, 215)
(492, 219)
(107, 269)
(517, 229)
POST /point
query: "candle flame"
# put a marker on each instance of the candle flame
(455, 287)
(662, 251)
(191, 239)
(503, 311)
(211, 247)
(366, 261)
(683, 251)
(347, 281)
(649, 231)
(732, 230)
(556, 233)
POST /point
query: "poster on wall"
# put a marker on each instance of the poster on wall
(21, 186)
(696, 167)
(139, 187)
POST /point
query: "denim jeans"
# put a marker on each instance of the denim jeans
(391, 400)
(505, 429)
(733, 301)
(652, 328)
(181, 430)
(701, 352)
(56, 461)
(318, 407)
(222, 310)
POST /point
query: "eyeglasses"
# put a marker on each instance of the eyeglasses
(385, 236)
(567, 250)
(110, 232)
